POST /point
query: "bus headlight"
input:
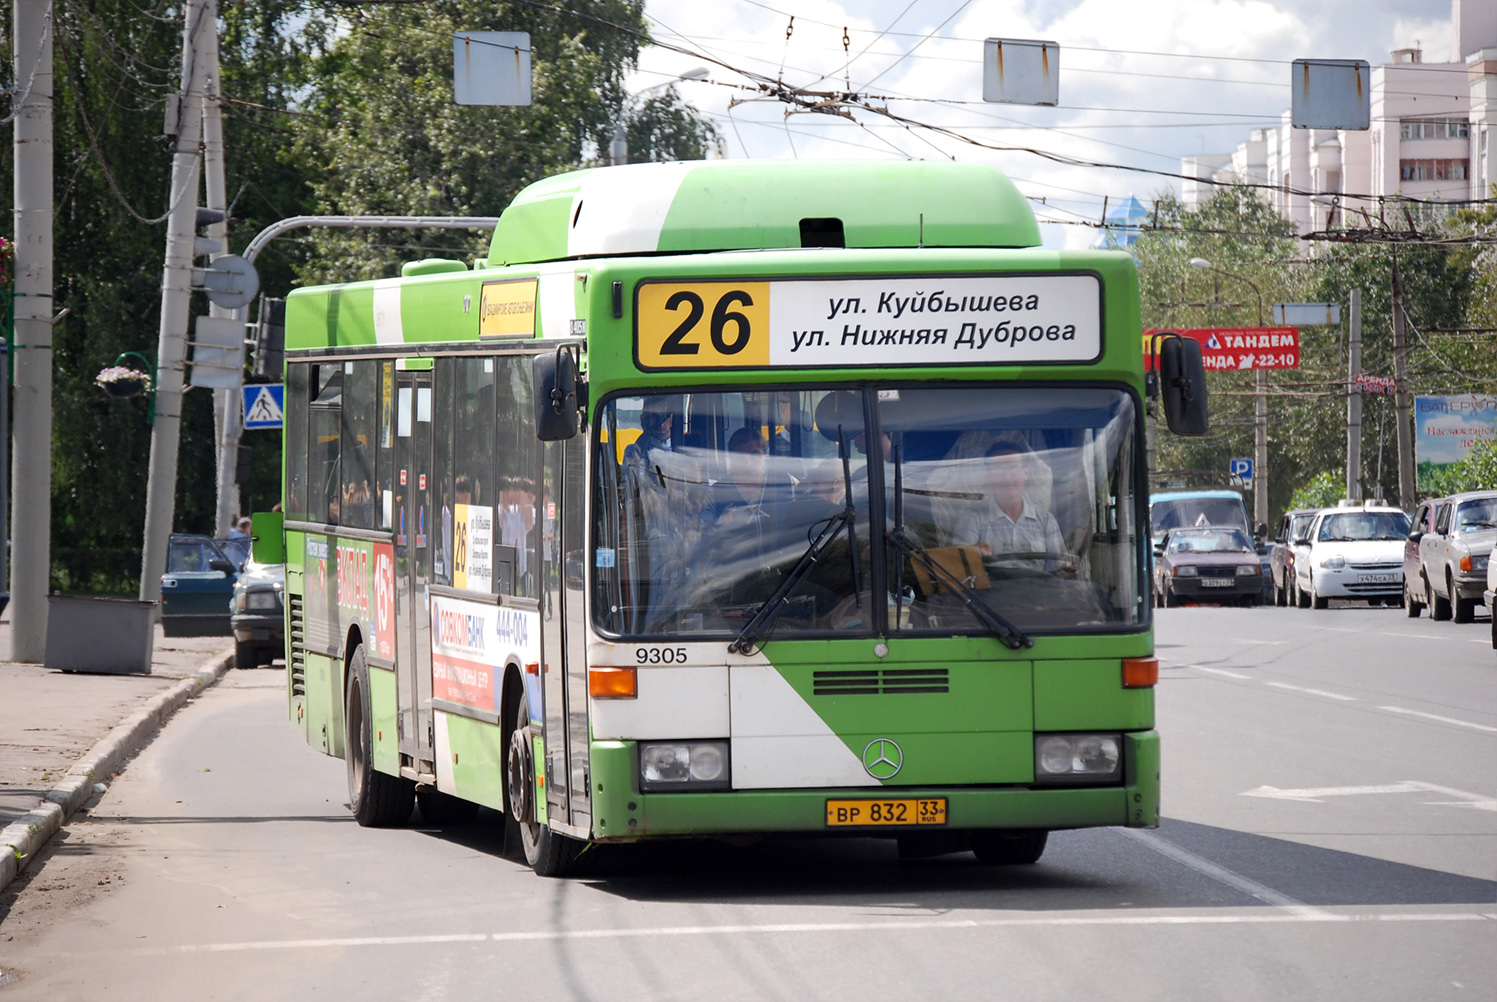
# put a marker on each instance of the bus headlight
(676, 765)
(1077, 758)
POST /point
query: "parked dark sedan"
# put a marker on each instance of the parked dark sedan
(197, 585)
(1213, 564)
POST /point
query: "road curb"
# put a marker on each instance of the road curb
(24, 837)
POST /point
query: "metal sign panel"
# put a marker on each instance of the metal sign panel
(230, 281)
(1307, 314)
(491, 68)
(1227, 348)
(1240, 469)
(1330, 94)
(217, 353)
(264, 405)
(1020, 71)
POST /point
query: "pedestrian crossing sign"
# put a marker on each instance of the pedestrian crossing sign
(264, 405)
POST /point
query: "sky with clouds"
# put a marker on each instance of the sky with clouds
(1142, 82)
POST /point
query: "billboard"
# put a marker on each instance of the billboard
(1447, 428)
(1224, 349)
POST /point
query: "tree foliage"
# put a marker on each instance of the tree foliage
(1445, 287)
(332, 108)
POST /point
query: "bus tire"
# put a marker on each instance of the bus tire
(377, 800)
(1000, 848)
(442, 810)
(549, 853)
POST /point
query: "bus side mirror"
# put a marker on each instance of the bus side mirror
(1182, 385)
(554, 378)
(267, 537)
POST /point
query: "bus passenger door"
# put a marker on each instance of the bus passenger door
(413, 566)
(562, 504)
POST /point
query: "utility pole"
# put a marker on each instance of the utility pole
(1354, 399)
(226, 402)
(31, 482)
(1404, 432)
(199, 17)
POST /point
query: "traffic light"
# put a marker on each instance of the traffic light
(242, 463)
(203, 246)
(270, 339)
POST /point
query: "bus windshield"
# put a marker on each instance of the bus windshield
(706, 503)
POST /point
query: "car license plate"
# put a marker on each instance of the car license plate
(885, 813)
(1217, 582)
(1377, 578)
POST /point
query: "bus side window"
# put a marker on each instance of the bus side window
(473, 454)
(517, 451)
(296, 440)
(384, 464)
(325, 487)
(359, 507)
(442, 378)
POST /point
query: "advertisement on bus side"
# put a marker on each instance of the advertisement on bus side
(471, 642)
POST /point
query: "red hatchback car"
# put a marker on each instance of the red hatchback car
(1211, 564)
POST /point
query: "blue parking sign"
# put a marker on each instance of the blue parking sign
(264, 405)
(1242, 469)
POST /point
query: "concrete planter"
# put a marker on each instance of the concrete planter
(110, 636)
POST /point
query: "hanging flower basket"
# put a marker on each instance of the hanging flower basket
(119, 381)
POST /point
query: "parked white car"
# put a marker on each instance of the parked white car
(1354, 552)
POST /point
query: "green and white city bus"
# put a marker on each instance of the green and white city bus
(728, 498)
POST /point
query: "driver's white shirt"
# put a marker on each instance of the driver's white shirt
(1036, 531)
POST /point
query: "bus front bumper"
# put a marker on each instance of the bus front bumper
(622, 813)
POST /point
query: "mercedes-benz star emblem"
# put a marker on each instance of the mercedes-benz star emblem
(883, 758)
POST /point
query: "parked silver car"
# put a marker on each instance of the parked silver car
(1422, 524)
(1453, 556)
(1290, 543)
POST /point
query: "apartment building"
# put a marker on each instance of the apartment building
(1428, 138)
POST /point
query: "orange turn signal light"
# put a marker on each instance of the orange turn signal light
(612, 683)
(1140, 673)
(1465, 563)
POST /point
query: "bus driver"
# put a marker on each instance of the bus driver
(1005, 525)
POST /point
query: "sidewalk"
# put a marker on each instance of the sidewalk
(51, 721)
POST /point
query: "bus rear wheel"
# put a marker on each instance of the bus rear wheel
(549, 853)
(378, 800)
(1008, 848)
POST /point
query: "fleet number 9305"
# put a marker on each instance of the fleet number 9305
(660, 655)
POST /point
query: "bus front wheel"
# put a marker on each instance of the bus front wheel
(378, 800)
(999, 848)
(549, 853)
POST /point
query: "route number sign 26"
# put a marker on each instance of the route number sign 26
(704, 325)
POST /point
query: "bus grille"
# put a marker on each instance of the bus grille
(297, 655)
(879, 681)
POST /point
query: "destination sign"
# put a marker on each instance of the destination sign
(839, 323)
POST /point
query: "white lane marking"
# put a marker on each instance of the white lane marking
(1204, 866)
(1317, 795)
(1278, 917)
(1219, 671)
(1314, 692)
(1443, 720)
(1251, 640)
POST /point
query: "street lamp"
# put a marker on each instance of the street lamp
(1260, 409)
(618, 150)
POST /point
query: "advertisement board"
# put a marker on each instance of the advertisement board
(471, 642)
(1447, 428)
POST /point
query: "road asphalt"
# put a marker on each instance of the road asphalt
(64, 733)
(1330, 834)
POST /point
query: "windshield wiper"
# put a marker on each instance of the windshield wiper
(763, 620)
(1008, 634)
